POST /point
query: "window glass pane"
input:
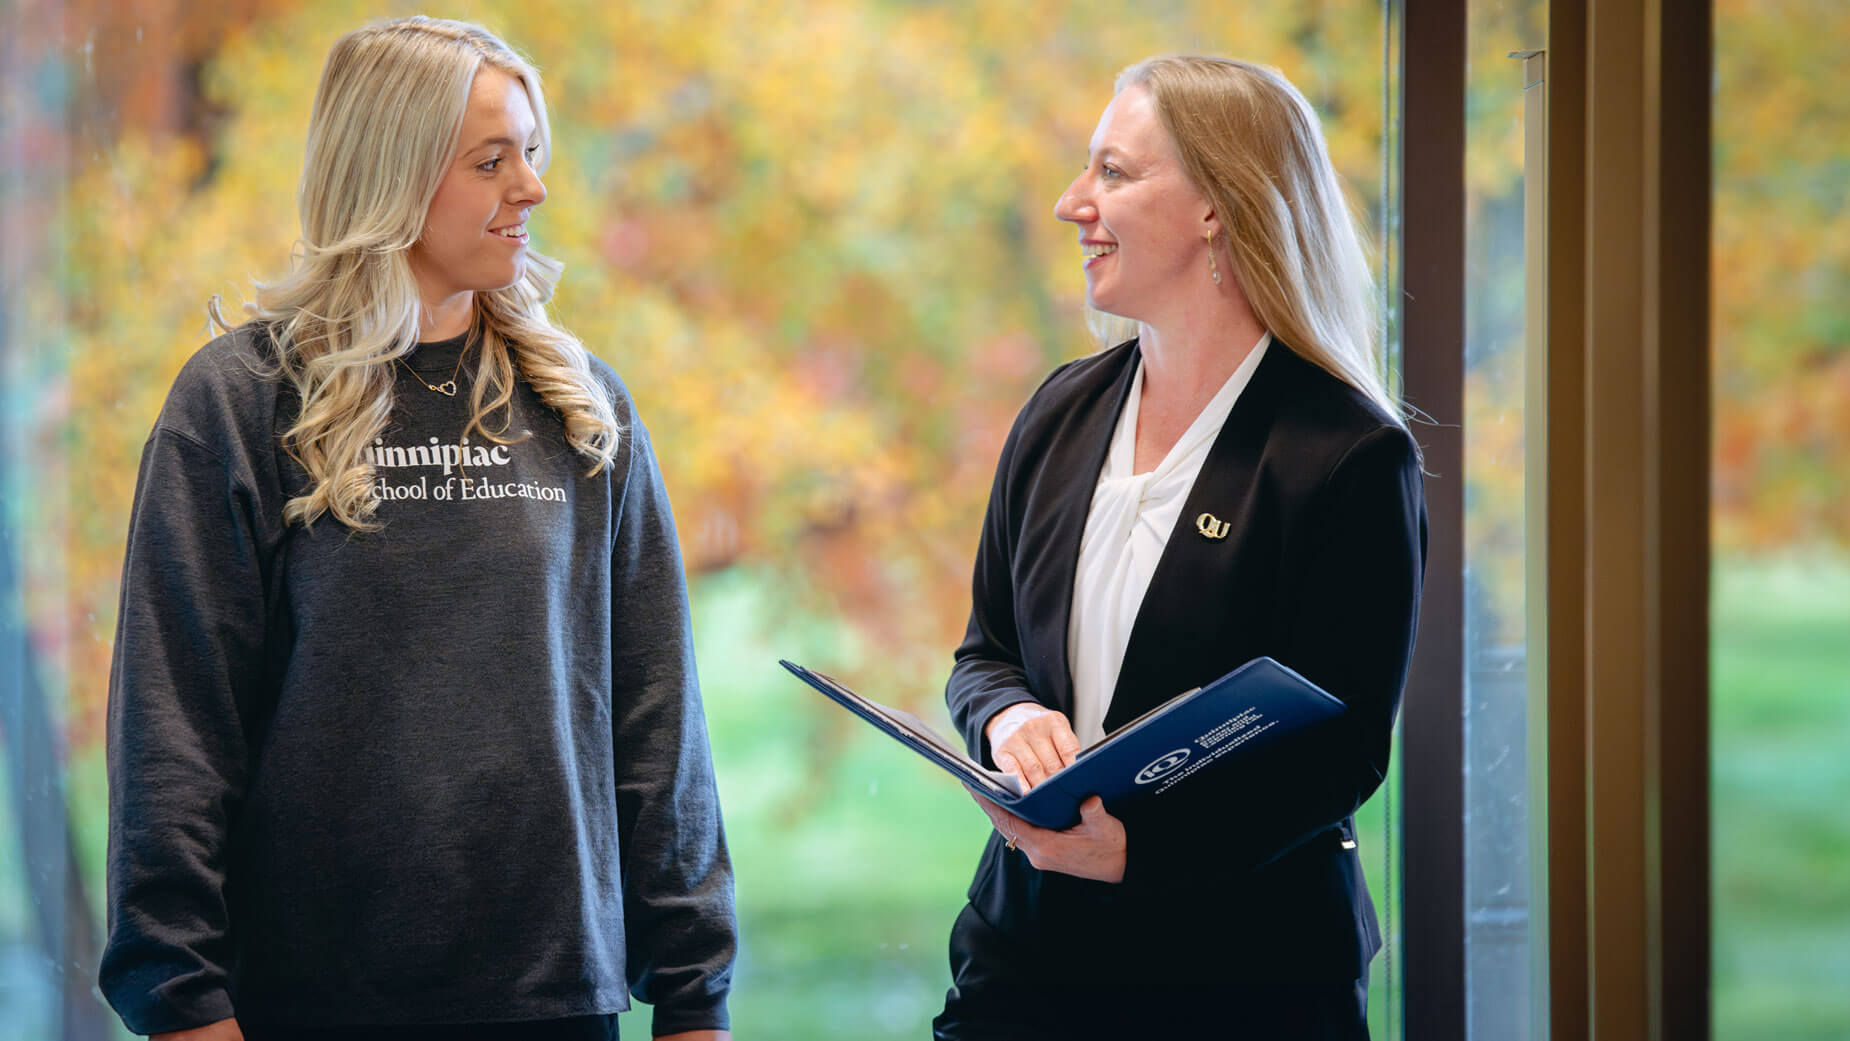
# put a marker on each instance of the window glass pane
(816, 240)
(1497, 864)
(1780, 599)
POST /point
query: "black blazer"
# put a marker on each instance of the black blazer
(1239, 871)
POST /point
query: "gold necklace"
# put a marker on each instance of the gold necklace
(448, 387)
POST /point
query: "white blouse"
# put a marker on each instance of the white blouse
(1126, 530)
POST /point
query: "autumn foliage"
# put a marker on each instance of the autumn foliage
(817, 242)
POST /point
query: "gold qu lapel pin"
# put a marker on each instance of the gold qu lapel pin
(1212, 527)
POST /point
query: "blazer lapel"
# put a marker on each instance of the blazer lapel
(1076, 455)
(1168, 645)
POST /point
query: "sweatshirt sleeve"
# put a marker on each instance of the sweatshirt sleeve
(677, 879)
(189, 645)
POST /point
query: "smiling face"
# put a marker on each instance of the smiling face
(1142, 223)
(475, 234)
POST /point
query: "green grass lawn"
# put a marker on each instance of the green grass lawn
(845, 909)
(852, 856)
(1781, 789)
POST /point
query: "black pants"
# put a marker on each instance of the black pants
(577, 1028)
(997, 996)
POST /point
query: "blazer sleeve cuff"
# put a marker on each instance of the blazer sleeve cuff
(691, 1014)
(1000, 701)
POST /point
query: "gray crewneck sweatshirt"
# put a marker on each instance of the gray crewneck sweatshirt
(454, 770)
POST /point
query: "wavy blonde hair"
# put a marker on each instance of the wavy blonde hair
(1254, 147)
(384, 128)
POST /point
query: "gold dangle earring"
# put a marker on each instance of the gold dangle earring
(1213, 269)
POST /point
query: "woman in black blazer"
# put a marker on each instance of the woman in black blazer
(1235, 481)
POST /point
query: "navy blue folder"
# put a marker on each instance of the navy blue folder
(1255, 706)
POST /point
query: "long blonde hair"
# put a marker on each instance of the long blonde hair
(386, 118)
(1253, 145)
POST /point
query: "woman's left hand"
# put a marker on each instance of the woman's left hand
(1093, 848)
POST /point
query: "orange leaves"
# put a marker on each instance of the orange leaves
(1781, 275)
(815, 240)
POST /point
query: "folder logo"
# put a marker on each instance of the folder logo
(1162, 766)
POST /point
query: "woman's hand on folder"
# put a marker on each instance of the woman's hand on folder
(1093, 848)
(1032, 741)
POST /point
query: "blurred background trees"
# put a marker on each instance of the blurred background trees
(817, 241)
(788, 227)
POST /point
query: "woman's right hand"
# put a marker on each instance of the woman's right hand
(1031, 740)
(223, 1030)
